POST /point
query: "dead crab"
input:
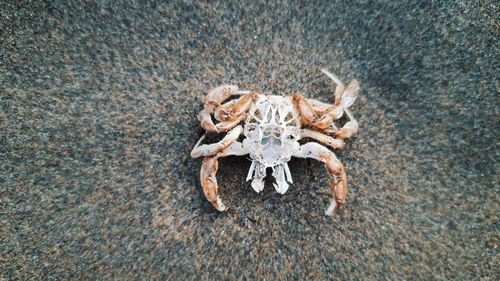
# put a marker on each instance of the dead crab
(272, 127)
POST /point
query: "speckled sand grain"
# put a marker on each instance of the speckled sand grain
(98, 107)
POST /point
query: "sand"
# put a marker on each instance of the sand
(98, 116)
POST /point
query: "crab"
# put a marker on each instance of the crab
(270, 128)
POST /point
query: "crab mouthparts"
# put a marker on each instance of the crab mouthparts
(281, 174)
(271, 150)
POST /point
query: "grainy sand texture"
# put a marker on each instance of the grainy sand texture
(98, 105)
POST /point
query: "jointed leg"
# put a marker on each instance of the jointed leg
(305, 108)
(310, 109)
(235, 109)
(229, 124)
(213, 100)
(206, 122)
(314, 112)
(350, 128)
(257, 172)
(218, 95)
(208, 174)
(227, 146)
(319, 107)
(331, 130)
(209, 181)
(321, 116)
(339, 86)
(335, 169)
(332, 142)
(219, 112)
(236, 149)
(342, 101)
(212, 149)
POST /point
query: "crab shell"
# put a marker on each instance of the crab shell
(272, 131)
(273, 126)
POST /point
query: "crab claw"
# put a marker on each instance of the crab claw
(258, 185)
(335, 169)
(209, 182)
(217, 95)
(206, 122)
(281, 185)
(325, 121)
(257, 172)
(339, 185)
(344, 98)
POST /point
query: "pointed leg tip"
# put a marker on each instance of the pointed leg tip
(282, 191)
(258, 187)
(339, 207)
(219, 205)
(332, 209)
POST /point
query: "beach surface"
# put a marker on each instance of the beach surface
(98, 117)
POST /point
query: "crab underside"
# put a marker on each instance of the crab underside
(272, 127)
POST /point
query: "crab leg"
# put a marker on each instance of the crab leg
(305, 108)
(281, 174)
(225, 113)
(217, 95)
(319, 108)
(212, 149)
(209, 170)
(325, 139)
(339, 86)
(331, 131)
(228, 125)
(206, 122)
(209, 126)
(309, 109)
(336, 111)
(213, 100)
(223, 108)
(344, 97)
(209, 182)
(259, 173)
(350, 128)
(335, 169)
(236, 148)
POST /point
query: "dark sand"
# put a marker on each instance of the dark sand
(98, 116)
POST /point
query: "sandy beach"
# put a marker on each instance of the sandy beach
(98, 106)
